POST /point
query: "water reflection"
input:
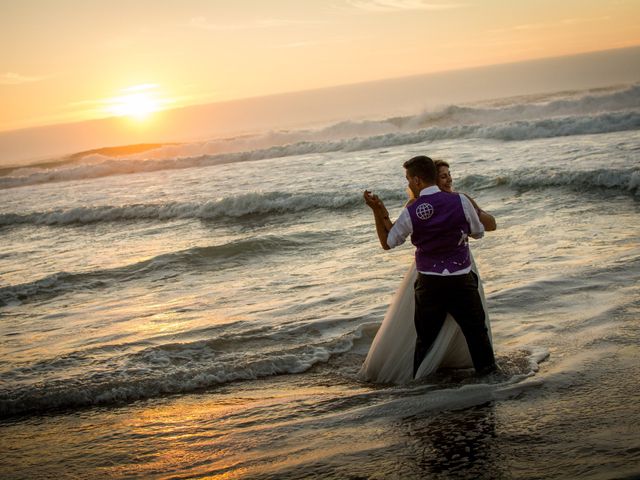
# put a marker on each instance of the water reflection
(456, 444)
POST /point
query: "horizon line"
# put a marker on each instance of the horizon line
(318, 89)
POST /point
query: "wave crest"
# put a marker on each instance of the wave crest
(623, 180)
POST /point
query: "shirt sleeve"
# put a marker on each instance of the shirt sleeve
(400, 230)
(476, 227)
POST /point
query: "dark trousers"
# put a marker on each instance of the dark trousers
(458, 295)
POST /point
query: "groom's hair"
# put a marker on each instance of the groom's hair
(422, 167)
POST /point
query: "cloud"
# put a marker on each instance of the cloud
(299, 44)
(202, 24)
(573, 21)
(402, 5)
(323, 42)
(144, 86)
(557, 24)
(12, 78)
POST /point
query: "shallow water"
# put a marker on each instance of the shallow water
(190, 322)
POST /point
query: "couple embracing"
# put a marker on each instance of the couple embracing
(444, 314)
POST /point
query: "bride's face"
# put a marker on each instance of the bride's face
(444, 180)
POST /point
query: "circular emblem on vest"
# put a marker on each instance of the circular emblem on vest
(424, 211)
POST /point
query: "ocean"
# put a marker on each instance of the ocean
(202, 310)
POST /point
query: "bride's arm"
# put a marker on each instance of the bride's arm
(486, 218)
(411, 199)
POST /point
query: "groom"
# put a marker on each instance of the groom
(439, 224)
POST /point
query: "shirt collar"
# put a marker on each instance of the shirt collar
(429, 190)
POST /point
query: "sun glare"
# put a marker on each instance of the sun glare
(137, 102)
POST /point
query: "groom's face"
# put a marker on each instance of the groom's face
(414, 184)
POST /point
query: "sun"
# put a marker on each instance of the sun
(138, 106)
(138, 102)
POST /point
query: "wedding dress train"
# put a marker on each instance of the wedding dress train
(390, 357)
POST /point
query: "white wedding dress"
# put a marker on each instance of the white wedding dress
(390, 358)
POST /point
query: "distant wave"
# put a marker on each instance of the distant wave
(526, 108)
(575, 104)
(510, 123)
(625, 180)
(215, 256)
(171, 368)
(270, 203)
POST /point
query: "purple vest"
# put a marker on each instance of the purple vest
(440, 231)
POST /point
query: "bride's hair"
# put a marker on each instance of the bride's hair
(421, 167)
(440, 163)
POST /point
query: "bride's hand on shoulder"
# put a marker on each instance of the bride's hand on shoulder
(411, 197)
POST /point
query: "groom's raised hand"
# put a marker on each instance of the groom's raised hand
(374, 202)
(370, 199)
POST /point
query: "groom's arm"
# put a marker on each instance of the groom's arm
(390, 234)
(400, 230)
(381, 217)
(383, 227)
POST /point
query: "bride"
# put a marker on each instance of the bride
(390, 358)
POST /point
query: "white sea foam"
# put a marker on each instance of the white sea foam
(185, 367)
(415, 399)
(169, 368)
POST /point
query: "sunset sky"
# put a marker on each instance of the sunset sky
(65, 60)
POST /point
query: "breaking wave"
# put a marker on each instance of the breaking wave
(225, 208)
(272, 203)
(624, 180)
(172, 368)
(143, 370)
